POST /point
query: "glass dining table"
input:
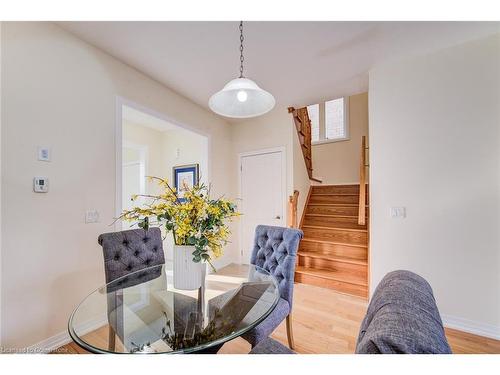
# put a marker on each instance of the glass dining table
(143, 313)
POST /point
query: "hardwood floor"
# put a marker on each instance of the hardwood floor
(325, 321)
(466, 343)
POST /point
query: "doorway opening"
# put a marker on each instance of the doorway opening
(149, 144)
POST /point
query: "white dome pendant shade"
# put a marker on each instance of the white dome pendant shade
(241, 98)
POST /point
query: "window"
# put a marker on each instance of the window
(313, 112)
(335, 124)
(329, 121)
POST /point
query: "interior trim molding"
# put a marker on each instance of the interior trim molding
(63, 338)
(50, 344)
(469, 326)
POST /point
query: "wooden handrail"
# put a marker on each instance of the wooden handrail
(292, 209)
(362, 183)
(303, 128)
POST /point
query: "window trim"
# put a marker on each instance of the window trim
(322, 123)
(324, 141)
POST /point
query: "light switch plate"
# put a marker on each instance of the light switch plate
(43, 153)
(91, 216)
(398, 212)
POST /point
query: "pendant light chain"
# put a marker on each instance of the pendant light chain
(241, 97)
(241, 49)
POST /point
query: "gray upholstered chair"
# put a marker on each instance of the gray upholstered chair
(125, 253)
(130, 250)
(270, 346)
(402, 317)
(275, 250)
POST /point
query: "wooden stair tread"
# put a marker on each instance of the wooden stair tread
(334, 222)
(334, 215)
(333, 258)
(334, 251)
(335, 228)
(343, 194)
(332, 275)
(334, 204)
(333, 242)
(340, 185)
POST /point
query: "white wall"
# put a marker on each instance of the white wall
(435, 149)
(181, 147)
(166, 149)
(273, 129)
(152, 140)
(337, 163)
(61, 92)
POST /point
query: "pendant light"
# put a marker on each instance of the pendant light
(241, 97)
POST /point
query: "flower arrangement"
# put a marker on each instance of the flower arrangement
(197, 220)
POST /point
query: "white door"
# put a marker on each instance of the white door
(262, 196)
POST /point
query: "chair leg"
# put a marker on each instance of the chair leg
(289, 332)
(111, 339)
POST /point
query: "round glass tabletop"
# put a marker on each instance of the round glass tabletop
(143, 313)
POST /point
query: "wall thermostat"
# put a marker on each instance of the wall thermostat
(40, 184)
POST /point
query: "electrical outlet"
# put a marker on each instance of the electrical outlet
(398, 212)
(91, 216)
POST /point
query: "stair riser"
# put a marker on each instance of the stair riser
(332, 265)
(336, 189)
(352, 252)
(333, 210)
(332, 221)
(336, 235)
(334, 199)
(356, 290)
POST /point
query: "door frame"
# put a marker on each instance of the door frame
(241, 155)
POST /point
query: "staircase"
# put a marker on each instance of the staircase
(303, 128)
(334, 251)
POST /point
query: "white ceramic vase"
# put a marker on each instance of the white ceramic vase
(188, 275)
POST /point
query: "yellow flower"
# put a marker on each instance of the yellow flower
(198, 216)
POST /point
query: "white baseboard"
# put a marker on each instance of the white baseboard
(50, 344)
(476, 328)
(63, 338)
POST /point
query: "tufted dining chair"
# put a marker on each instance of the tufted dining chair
(125, 253)
(130, 250)
(275, 250)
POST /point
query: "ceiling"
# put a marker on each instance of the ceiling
(300, 63)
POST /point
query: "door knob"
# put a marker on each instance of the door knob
(278, 217)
